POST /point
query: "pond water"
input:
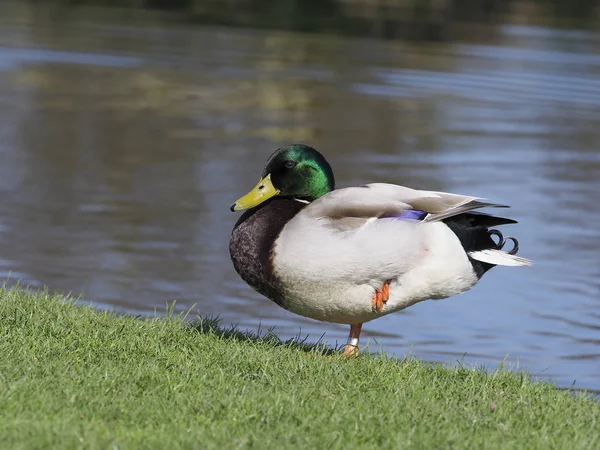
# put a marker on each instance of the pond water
(123, 146)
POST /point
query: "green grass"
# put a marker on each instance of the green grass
(76, 377)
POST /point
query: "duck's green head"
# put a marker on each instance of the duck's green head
(296, 171)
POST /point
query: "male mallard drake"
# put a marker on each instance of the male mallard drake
(354, 254)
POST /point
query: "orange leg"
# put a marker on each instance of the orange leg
(352, 345)
(380, 297)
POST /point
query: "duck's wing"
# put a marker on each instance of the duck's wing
(352, 207)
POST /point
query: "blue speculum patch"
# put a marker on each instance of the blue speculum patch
(413, 214)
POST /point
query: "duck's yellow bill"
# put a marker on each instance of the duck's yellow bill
(263, 191)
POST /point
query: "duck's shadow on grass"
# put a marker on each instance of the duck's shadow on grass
(209, 325)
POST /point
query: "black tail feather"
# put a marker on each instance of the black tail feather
(472, 229)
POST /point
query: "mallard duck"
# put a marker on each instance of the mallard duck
(352, 255)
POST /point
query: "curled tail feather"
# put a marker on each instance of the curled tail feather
(497, 256)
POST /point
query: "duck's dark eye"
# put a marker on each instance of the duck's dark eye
(290, 164)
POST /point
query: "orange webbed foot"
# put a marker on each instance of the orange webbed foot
(380, 297)
(350, 350)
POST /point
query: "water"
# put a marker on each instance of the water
(123, 147)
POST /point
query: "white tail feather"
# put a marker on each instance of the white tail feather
(499, 258)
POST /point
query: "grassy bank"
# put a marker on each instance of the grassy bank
(74, 377)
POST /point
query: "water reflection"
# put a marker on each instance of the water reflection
(122, 151)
